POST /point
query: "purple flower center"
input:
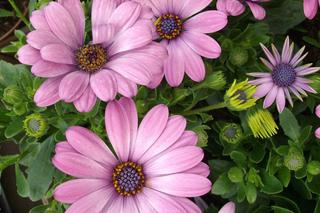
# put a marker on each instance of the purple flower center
(169, 26)
(91, 57)
(283, 75)
(242, 96)
(128, 178)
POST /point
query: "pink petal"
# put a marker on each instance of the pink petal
(230, 207)
(126, 87)
(276, 54)
(114, 205)
(28, 55)
(192, 7)
(202, 44)
(288, 96)
(261, 81)
(75, 9)
(297, 57)
(73, 86)
(38, 20)
(270, 98)
(281, 100)
(58, 53)
(48, 92)
(93, 202)
(174, 65)
(118, 129)
(269, 55)
(317, 111)
(317, 133)
(62, 24)
(263, 90)
(73, 190)
(89, 144)
(286, 51)
(221, 6)
(181, 185)
(79, 166)
(64, 147)
(307, 71)
(101, 11)
(188, 205)
(142, 204)
(149, 130)
(267, 63)
(310, 8)
(173, 131)
(258, 12)
(259, 74)
(103, 34)
(200, 169)
(235, 7)
(104, 85)
(184, 158)
(48, 69)
(194, 65)
(207, 22)
(130, 205)
(188, 138)
(87, 101)
(41, 38)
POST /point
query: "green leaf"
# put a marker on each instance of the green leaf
(284, 201)
(41, 171)
(317, 208)
(9, 73)
(222, 186)
(306, 132)
(257, 154)
(314, 185)
(8, 160)
(14, 128)
(5, 13)
(21, 182)
(251, 193)
(239, 158)
(271, 184)
(39, 209)
(290, 124)
(278, 209)
(284, 175)
(220, 166)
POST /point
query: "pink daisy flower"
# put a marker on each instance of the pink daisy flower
(287, 75)
(156, 166)
(185, 36)
(237, 7)
(311, 8)
(120, 55)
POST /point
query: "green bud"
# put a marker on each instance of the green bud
(235, 174)
(294, 160)
(35, 125)
(12, 95)
(231, 133)
(238, 56)
(202, 136)
(226, 44)
(214, 81)
(313, 168)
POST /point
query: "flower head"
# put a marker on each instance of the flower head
(294, 160)
(261, 123)
(184, 35)
(231, 133)
(120, 55)
(286, 76)
(35, 125)
(240, 96)
(237, 7)
(155, 166)
(311, 8)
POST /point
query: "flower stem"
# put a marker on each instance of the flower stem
(19, 13)
(205, 109)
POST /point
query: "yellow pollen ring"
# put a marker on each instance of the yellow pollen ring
(91, 58)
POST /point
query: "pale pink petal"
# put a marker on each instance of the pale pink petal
(202, 44)
(258, 12)
(310, 8)
(296, 93)
(207, 22)
(263, 89)
(126, 87)
(58, 53)
(63, 146)
(118, 129)
(281, 100)
(87, 101)
(286, 51)
(104, 85)
(305, 87)
(174, 65)
(267, 63)
(41, 38)
(221, 6)
(276, 54)
(317, 111)
(73, 85)
(188, 138)
(259, 74)
(150, 129)
(158, 7)
(73, 190)
(130, 205)
(271, 97)
(261, 81)
(62, 24)
(192, 7)
(38, 20)
(306, 70)
(317, 133)
(114, 205)
(48, 92)
(101, 11)
(93, 202)
(288, 96)
(269, 55)
(103, 34)
(47, 69)
(173, 131)
(184, 158)
(297, 56)
(89, 144)
(200, 169)
(78, 165)
(181, 185)
(230, 207)
(28, 55)
(142, 204)
(188, 205)
(234, 7)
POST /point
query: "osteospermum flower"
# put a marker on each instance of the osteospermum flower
(185, 36)
(287, 75)
(237, 7)
(120, 55)
(156, 165)
(311, 8)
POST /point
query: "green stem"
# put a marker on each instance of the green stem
(19, 13)
(205, 109)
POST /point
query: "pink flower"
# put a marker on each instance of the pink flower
(230, 207)
(156, 166)
(120, 55)
(184, 36)
(237, 7)
(317, 132)
(311, 8)
(287, 75)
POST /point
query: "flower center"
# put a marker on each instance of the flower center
(242, 96)
(283, 75)
(128, 178)
(91, 57)
(169, 26)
